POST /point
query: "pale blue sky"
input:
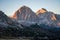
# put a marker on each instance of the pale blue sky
(10, 6)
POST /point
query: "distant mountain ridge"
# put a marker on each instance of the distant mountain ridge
(42, 16)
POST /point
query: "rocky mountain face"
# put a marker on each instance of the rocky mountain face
(25, 13)
(57, 16)
(58, 19)
(46, 17)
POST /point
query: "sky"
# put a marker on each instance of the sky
(10, 6)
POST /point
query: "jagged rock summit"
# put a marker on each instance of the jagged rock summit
(44, 11)
(41, 11)
(46, 17)
(25, 13)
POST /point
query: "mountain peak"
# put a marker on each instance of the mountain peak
(24, 6)
(24, 13)
(21, 10)
(40, 11)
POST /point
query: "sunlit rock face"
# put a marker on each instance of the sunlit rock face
(57, 16)
(59, 23)
(53, 17)
(25, 13)
(41, 11)
(45, 17)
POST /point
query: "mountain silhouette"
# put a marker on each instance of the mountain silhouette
(40, 11)
(46, 17)
(25, 13)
